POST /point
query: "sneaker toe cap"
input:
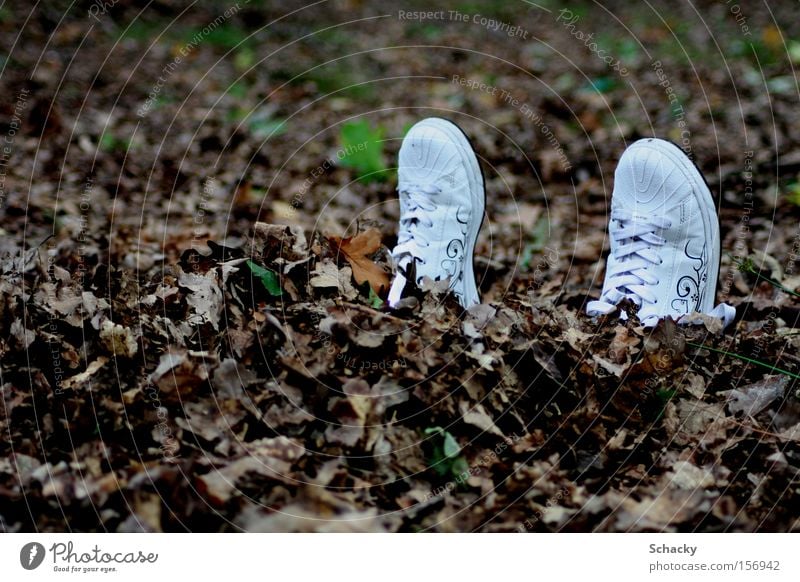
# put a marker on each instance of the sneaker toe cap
(649, 176)
(429, 155)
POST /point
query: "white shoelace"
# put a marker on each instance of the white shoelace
(629, 278)
(415, 219)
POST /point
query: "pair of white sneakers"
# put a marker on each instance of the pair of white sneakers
(665, 241)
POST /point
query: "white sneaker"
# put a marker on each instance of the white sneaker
(442, 202)
(665, 242)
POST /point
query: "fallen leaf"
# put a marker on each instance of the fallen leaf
(357, 251)
(662, 511)
(622, 344)
(278, 241)
(685, 475)
(756, 397)
(695, 385)
(231, 378)
(712, 324)
(205, 297)
(328, 275)
(270, 458)
(269, 278)
(79, 379)
(24, 336)
(476, 416)
(181, 370)
(790, 434)
(352, 413)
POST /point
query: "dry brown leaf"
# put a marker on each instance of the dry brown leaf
(695, 385)
(661, 512)
(279, 241)
(327, 274)
(204, 297)
(622, 345)
(269, 458)
(357, 251)
(351, 411)
(756, 397)
(685, 475)
(179, 369)
(81, 378)
(477, 416)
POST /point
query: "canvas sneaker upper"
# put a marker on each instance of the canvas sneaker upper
(665, 241)
(442, 203)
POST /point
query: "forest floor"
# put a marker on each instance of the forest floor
(189, 199)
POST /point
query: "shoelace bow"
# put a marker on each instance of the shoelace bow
(629, 278)
(415, 219)
(637, 248)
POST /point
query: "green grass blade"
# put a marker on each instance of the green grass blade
(746, 359)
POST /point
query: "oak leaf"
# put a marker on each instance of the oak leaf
(357, 250)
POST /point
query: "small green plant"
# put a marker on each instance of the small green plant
(539, 236)
(429, 32)
(333, 39)
(225, 36)
(794, 51)
(679, 43)
(161, 100)
(244, 59)
(140, 30)
(764, 53)
(260, 123)
(747, 265)
(373, 299)
(341, 78)
(624, 49)
(602, 85)
(269, 278)
(111, 143)
(362, 150)
(793, 194)
(446, 456)
(238, 89)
